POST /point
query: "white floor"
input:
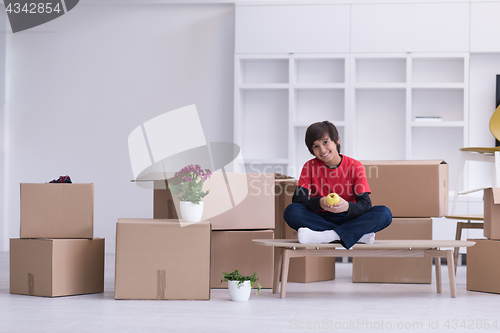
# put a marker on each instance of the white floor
(331, 306)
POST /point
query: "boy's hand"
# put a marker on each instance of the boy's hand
(342, 206)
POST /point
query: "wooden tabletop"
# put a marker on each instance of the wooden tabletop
(379, 244)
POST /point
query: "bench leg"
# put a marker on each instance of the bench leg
(284, 272)
(451, 273)
(437, 263)
(458, 236)
(278, 258)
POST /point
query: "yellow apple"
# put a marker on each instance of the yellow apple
(332, 199)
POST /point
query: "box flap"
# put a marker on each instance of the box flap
(496, 195)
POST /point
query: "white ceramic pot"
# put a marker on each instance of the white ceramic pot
(239, 293)
(191, 212)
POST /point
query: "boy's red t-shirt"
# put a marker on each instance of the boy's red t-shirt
(347, 180)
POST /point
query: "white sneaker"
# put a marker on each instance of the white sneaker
(367, 238)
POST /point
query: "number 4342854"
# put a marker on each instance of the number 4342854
(32, 8)
(471, 324)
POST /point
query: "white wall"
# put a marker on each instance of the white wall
(3, 226)
(483, 71)
(78, 85)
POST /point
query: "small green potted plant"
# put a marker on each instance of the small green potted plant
(240, 286)
(188, 186)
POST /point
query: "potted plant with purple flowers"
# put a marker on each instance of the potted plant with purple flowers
(188, 186)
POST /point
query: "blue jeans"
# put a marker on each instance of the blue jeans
(350, 230)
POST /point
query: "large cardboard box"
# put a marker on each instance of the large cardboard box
(160, 259)
(233, 250)
(397, 270)
(492, 213)
(57, 210)
(409, 188)
(56, 267)
(308, 269)
(235, 201)
(483, 266)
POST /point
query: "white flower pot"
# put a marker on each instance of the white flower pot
(191, 212)
(239, 293)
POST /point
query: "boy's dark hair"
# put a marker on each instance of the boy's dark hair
(318, 131)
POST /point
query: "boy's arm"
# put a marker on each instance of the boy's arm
(301, 195)
(361, 206)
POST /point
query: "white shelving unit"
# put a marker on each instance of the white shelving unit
(373, 99)
(277, 97)
(389, 92)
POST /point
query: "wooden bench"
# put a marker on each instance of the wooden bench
(291, 248)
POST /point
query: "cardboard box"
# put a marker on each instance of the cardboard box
(308, 269)
(397, 270)
(400, 185)
(283, 189)
(233, 250)
(57, 210)
(159, 259)
(483, 266)
(492, 213)
(236, 201)
(56, 267)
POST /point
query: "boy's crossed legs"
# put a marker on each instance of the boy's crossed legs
(325, 227)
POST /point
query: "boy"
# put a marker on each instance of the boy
(352, 219)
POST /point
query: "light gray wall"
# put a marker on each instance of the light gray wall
(3, 34)
(78, 85)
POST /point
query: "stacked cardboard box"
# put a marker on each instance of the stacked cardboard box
(414, 191)
(239, 207)
(483, 264)
(57, 254)
(162, 259)
(307, 269)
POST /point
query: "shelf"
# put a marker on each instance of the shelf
(433, 123)
(264, 115)
(319, 86)
(374, 133)
(437, 85)
(337, 123)
(317, 105)
(265, 86)
(380, 70)
(445, 103)
(434, 70)
(323, 70)
(380, 86)
(264, 71)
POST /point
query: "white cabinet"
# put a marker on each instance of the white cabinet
(417, 27)
(277, 97)
(292, 28)
(484, 27)
(385, 106)
(410, 106)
